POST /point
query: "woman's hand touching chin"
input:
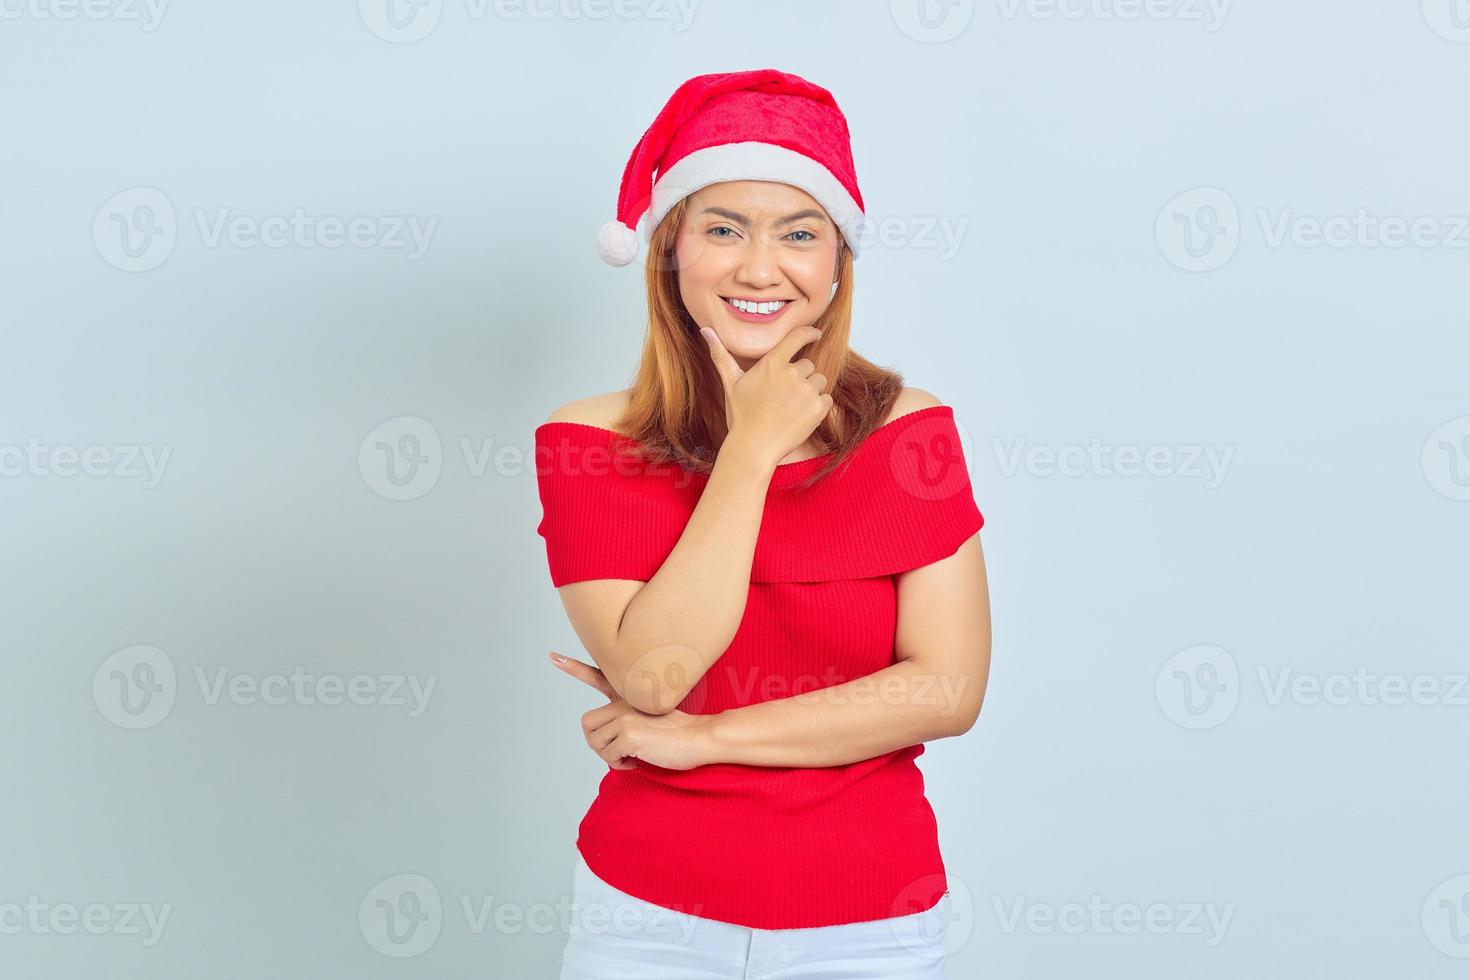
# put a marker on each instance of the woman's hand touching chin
(621, 734)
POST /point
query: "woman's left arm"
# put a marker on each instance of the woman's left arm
(934, 690)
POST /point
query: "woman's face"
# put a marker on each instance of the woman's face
(760, 241)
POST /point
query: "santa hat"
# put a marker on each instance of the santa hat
(744, 125)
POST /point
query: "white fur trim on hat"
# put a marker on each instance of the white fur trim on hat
(753, 160)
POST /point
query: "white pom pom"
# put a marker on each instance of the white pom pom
(617, 243)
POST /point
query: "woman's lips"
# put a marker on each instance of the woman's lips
(754, 317)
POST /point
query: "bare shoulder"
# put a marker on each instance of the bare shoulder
(599, 410)
(911, 400)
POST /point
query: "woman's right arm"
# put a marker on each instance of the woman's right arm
(654, 640)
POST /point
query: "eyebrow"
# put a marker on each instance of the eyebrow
(737, 216)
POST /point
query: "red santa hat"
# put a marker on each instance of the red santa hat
(744, 125)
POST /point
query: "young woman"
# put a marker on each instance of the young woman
(769, 547)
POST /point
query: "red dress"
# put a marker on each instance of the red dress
(768, 847)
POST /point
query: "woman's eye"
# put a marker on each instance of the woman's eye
(717, 229)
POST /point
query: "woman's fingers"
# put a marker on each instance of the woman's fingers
(587, 674)
(598, 717)
(796, 338)
(610, 754)
(604, 741)
(724, 363)
(600, 726)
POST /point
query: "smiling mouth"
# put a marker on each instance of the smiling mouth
(755, 309)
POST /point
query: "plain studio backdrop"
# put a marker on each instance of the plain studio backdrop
(285, 289)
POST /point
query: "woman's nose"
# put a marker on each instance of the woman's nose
(759, 264)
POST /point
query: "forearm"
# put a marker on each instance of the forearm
(684, 618)
(903, 704)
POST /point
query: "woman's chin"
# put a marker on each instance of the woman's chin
(752, 339)
(752, 352)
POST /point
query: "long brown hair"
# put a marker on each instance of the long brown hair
(676, 407)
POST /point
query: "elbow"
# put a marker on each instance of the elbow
(961, 714)
(653, 700)
(963, 721)
(651, 692)
(657, 682)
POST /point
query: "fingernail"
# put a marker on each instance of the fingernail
(706, 333)
(558, 658)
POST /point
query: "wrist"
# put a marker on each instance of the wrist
(747, 455)
(709, 737)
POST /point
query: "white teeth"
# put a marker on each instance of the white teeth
(762, 308)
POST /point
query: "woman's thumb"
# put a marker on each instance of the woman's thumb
(724, 363)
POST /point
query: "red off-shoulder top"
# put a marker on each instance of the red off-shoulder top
(764, 847)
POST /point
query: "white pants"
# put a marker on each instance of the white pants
(615, 936)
